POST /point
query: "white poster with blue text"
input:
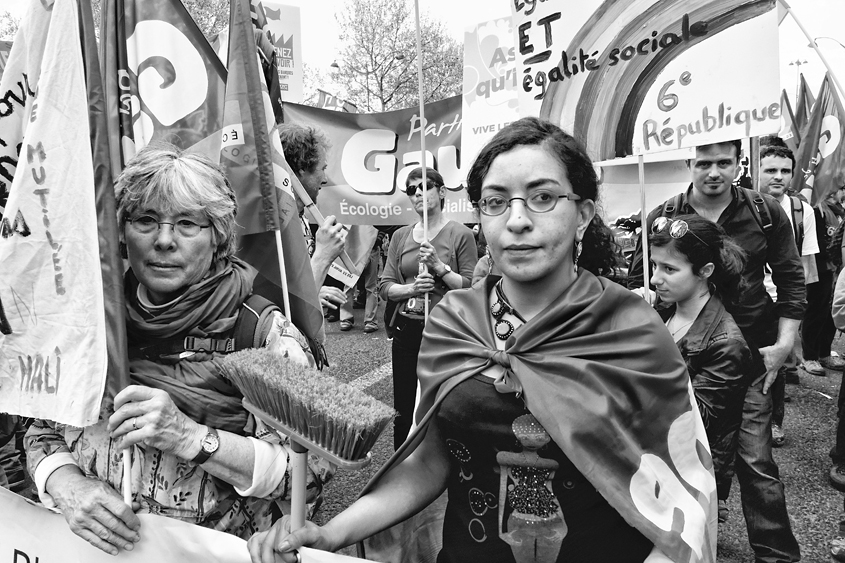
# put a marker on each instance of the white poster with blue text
(286, 33)
(639, 76)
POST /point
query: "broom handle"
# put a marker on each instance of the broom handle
(299, 460)
(127, 477)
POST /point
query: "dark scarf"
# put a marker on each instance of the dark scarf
(601, 373)
(208, 308)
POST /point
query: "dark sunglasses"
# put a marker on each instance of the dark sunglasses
(411, 190)
(677, 228)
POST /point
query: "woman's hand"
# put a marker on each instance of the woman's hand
(264, 546)
(94, 511)
(331, 297)
(423, 283)
(149, 416)
(428, 255)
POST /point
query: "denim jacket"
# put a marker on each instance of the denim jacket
(719, 362)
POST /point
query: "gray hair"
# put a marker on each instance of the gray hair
(165, 177)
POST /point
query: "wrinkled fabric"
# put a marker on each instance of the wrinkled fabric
(602, 375)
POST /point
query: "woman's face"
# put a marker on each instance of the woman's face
(433, 196)
(672, 276)
(164, 261)
(529, 246)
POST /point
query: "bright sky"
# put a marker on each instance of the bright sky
(821, 18)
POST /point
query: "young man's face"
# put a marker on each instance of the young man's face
(714, 169)
(775, 175)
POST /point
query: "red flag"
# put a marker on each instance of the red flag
(803, 105)
(790, 132)
(819, 160)
(254, 160)
(163, 79)
(110, 261)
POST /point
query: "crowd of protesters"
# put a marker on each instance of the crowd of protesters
(516, 391)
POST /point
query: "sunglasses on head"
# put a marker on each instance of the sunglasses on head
(411, 190)
(677, 228)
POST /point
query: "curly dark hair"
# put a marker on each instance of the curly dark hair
(598, 247)
(301, 145)
(715, 246)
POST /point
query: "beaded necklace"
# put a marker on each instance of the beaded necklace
(504, 328)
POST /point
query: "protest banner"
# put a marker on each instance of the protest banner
(372, 155)
(638, 76)
(819, 161)
(30, 533)
(53, 347)
(284, 23)
(490, 99)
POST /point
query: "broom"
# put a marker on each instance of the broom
(317, 412)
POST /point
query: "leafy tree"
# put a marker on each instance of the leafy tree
(377, 66)
(8, 26)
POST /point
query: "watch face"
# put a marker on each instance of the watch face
(210, 443)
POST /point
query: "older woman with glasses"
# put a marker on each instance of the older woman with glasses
(449, 252)
(555, 412)
(197, 454)
(696, 269)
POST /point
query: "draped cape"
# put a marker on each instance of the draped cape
(208, 309)
(601, 373)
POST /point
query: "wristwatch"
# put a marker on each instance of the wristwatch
(446, 270)
(208, 445)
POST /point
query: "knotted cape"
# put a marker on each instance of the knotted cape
(600, 372)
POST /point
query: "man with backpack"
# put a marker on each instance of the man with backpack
(776, 166)
(759, 225)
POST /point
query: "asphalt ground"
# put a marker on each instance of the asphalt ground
(810, 425)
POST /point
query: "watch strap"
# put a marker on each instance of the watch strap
(205, 454)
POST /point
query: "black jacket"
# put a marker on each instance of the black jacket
(720, 366)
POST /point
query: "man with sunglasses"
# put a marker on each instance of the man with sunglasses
(760, 226)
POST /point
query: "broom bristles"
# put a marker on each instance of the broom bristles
(334, 415)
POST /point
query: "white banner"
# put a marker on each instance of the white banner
(639, 76)
(287, 39)
(490, 99)
(53, 361)
(33, 534)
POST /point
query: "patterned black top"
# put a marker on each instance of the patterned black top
(514, 496)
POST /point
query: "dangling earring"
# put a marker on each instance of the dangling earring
(578, 248)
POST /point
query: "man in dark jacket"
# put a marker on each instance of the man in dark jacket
(769, 329)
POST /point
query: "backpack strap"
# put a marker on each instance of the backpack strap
(672, 206)
(759, 209)
(250, 330)
(798, 222)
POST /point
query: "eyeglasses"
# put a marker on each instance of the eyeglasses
(145, 224)
(677, 228)
(411, 190)
(538, 202)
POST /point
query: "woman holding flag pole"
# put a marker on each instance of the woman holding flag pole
(197, 454)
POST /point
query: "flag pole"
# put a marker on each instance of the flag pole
(814, 46)
(644, 228)
(282, 272)
(424, 184)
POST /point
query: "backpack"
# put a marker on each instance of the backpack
(753, 199)
(834, 246)
(250, 328)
